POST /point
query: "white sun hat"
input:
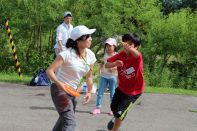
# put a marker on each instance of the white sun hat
(111, 41)
(79, 31)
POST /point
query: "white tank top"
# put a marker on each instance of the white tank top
(108, 72)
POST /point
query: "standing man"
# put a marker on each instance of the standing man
(63, 33)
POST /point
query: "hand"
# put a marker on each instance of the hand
(119, 63)
(127, 47)
(112, 70)
(60, 85)
(87, 98)
(131, 49)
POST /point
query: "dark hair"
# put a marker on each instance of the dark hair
(83, 37)
(73, 44)
(131, 37)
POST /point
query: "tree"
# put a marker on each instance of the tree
(174, 5)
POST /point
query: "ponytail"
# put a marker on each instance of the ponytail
(72, 44)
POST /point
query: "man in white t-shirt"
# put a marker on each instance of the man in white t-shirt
(63, 33)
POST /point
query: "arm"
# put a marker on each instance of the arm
(101, 64)
(114, 64)
(60, 45)
(59, 38)
(133, 50)
(114, 61)
(52, 69)
(89, 82)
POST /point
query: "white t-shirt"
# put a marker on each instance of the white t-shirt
(73, 67)
(63, 33)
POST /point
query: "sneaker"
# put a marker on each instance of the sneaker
(110, 124)
(96, 111)
(110, 113)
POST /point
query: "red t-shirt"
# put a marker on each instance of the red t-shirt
(131, 80)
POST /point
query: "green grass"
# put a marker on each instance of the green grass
(14, 78)
(170, 91)
(193, 111)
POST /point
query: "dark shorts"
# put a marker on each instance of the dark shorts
(121, 103)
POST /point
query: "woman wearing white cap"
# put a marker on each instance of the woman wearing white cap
(108, 76)
(72, 65)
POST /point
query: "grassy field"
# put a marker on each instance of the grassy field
(193, 110)
(14, 78)
(170, 91)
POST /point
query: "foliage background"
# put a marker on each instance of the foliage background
(168, 30)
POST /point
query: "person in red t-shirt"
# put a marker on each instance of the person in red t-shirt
(129, 64)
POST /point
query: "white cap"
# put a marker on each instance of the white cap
(111, 41)
(79, 31)
(67, 13)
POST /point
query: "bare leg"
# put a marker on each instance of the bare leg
(117, 124)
